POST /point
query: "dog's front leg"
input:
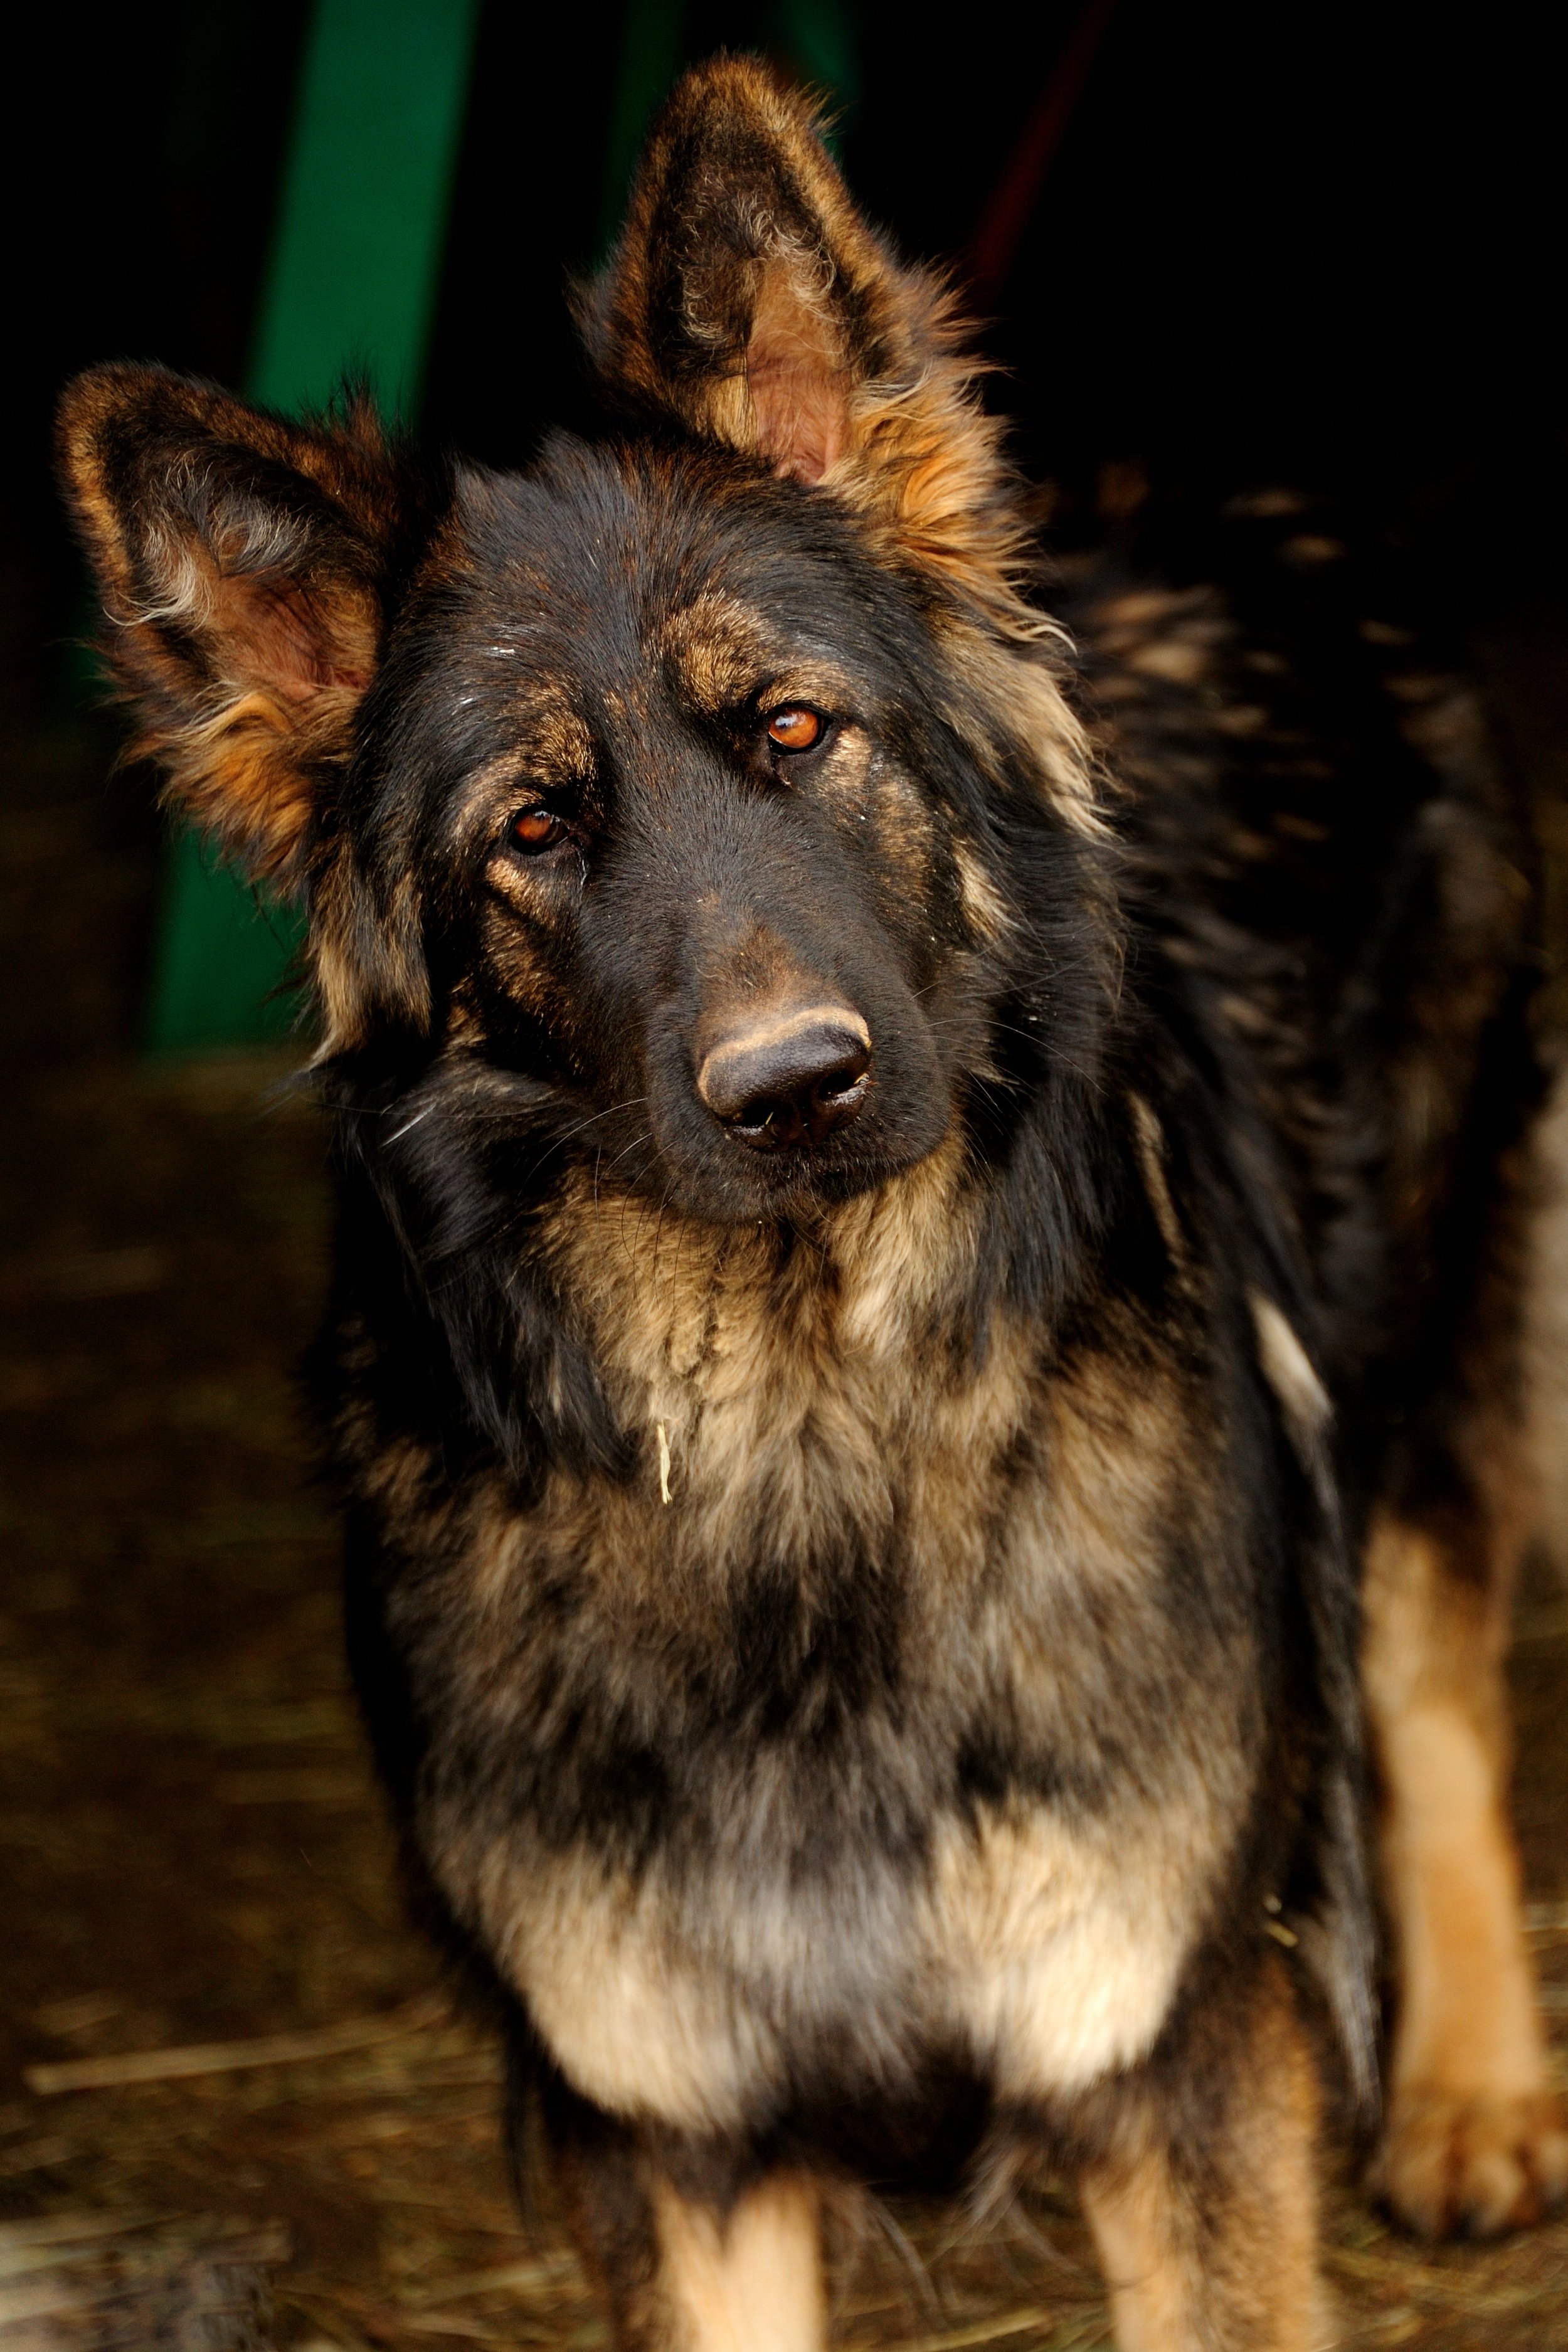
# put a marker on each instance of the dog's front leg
(744, 2279)
(693, 2251)
(1477, 2140)
(1205, 2213)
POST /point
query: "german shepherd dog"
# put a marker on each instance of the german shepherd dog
(917, 1204)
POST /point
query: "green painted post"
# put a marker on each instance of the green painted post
(359, 229)
(351, 282)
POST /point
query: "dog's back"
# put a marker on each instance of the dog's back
(1344, 868)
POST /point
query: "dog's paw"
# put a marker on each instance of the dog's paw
(1458, 2165)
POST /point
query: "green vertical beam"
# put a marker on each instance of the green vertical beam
(357, 253)
(351, 283)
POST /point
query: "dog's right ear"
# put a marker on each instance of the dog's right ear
(242, 561)
(749, 304)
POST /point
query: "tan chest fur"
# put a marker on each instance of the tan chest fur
(778, 1403)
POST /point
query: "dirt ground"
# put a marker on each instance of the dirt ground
(192, 1849)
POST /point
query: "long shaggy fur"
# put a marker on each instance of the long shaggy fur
(863, 1638)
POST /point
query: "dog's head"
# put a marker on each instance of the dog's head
(707, 790)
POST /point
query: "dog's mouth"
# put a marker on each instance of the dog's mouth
(788, 1159)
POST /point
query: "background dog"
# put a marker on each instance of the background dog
(903, 1222)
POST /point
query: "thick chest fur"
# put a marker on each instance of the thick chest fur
(899, 1710)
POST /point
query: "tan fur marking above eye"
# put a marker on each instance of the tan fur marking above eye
(553, 742)
(552, 750)
(717, 648)
(723, 654)
(823, 687)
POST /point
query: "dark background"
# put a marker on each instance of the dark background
(1320, 244)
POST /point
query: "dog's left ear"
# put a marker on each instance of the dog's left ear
(749, 302)
(242, 561)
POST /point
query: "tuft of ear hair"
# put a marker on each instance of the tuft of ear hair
(241, 559)
(750, 303)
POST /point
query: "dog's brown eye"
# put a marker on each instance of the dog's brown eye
(537, 828)
(796, 728)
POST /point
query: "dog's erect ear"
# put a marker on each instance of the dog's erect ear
(241, 560)
(748, 302)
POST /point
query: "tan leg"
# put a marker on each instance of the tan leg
(749, 2282)
(1474, 2140)
(689, 2268)
(1212, 2247)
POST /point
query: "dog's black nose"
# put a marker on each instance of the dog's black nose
(788, 1079)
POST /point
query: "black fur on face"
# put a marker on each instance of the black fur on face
(569, 746)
